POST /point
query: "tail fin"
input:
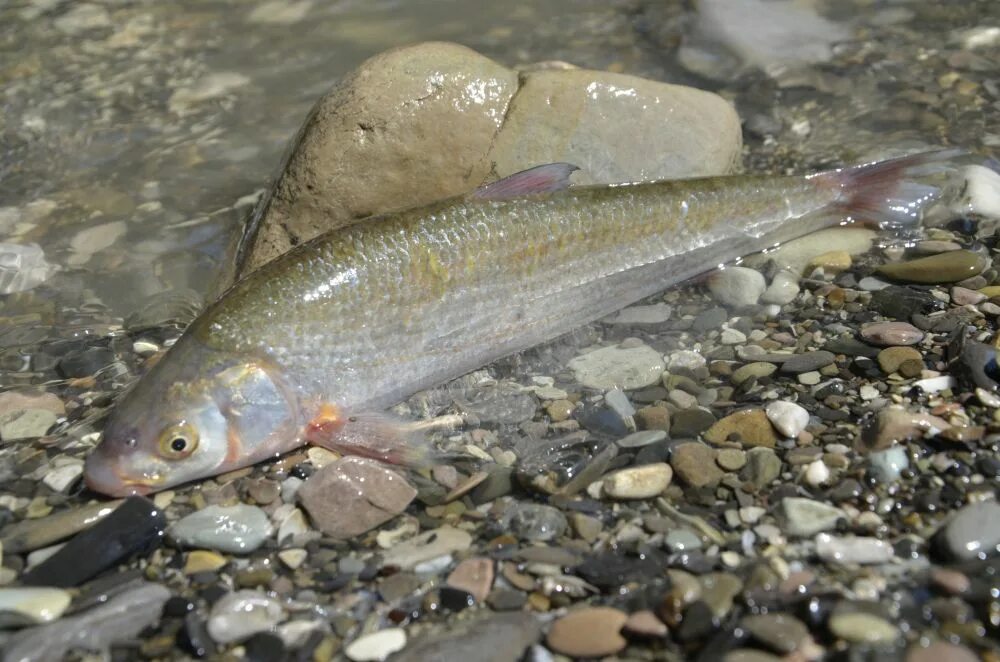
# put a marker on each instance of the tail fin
(883, 193)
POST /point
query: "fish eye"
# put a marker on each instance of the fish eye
(178, 441)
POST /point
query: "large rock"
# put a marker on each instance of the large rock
(421, 123)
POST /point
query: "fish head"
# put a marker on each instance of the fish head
(197, 413)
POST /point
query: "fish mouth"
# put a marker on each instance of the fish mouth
(104, 476)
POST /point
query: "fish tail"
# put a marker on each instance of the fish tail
(885, 193)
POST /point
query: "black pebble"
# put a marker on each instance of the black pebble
(698, 623)
(134, 528)
(264, 647)
(177, 607)
(455, 599)
(85, 363)
(194, 637)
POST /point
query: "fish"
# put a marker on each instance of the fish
(314, 346)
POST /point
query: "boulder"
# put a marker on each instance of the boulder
(425, 122)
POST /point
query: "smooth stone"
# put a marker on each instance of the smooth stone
(654, 314)
(133, 528)
(749, 655)
(681, 540)
(691, 422)
(795, 255)
(888, 334)
(505, 637)
(619, 403)
(718, 590)
(894, 425)
(201, 560)
(832, 262)
(891, 359)
(653, 419)
(805, 518)
(293, 558)
(886, 466)
(950, 267)
(474, 576)
(736, 286)
(782, 633)
(32, 606)
(62, 477)
(973, 531)
(238, 529)
(853, 549)
(862, 628)
(31, 534)
(756, 369)
(732, 337)
(807, 361)
(941, 651)
(751, 427)
(788, 418)
(872, 284)
(641, 482)
(119, 619)
(695, 465)
(240, 614)
(817, 473)
(353, 495)
(686, 361)
(642, 438)
(588, 632)
(534, 521)
(763, 466)
(731, 459)
(377, 645)
(965, 297)
(783, 289)
(26, 424)
(627, 368)
(427, 546)
(644, 623)
(980, 192)
(15, 400)
(352, 158)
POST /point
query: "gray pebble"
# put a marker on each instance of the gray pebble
(238, 529)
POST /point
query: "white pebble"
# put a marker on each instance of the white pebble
(980, 192)
(642, 482)
(737, 286)
(853, 549)
(788, 418)
(783, 289)
(817, 473)
(377, 645)
(732, 337)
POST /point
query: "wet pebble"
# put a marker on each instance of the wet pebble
(750, 427)
(901, 359)
(588, 632)
(973, 531)
(862, 628)
(31, 534)
(628, 366)
(888, 334)
(505, 636)
(26, 424)
(783, 289)
(853, 549)
(887, 465)
(807, 362)
(762, 467)
(640, 482)
(238, 529)
(788, 418)
(782, 633)
(757, 369)
(642, 438)
(534, 521)
(376, 646)
(353, 495)
(474, 576)
(737, 286)
(428, 546)
(941, 651)
(806, 517)
(654, 314)
(950, 267)
(134, 528)
(237, 615)
(694, 464)
(32, 605)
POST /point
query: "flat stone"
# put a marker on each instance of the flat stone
(858, 627)
(238, 615)
(750, 427)
(627, 368)
(15, 400)
(506, 637)
(889, 334)
(854, 549)
(642, 438)
(941, 651)
(695, 465)
(474, 576)
(788, 418)
(654, 314)
(691, 422)
(353, 495)
(782, 633)
(119, 619)
(641, 482)
(950, 267)
(377, 645)
(807, 362)
(134, 528)
(736, 286)
(426, 546)
(757, 369)
(588, 632)
(238, 529)
(805, 517)
(26, 424)
(32, 606)
(973, 532)
(731, 459)
(31, 534)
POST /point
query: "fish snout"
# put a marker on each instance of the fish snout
(103, 474)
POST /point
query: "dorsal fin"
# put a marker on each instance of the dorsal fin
(540, 179)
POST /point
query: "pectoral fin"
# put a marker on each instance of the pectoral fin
(540, 179)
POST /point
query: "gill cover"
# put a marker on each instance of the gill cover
(198, 412)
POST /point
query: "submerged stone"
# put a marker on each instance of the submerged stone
(950, 267)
